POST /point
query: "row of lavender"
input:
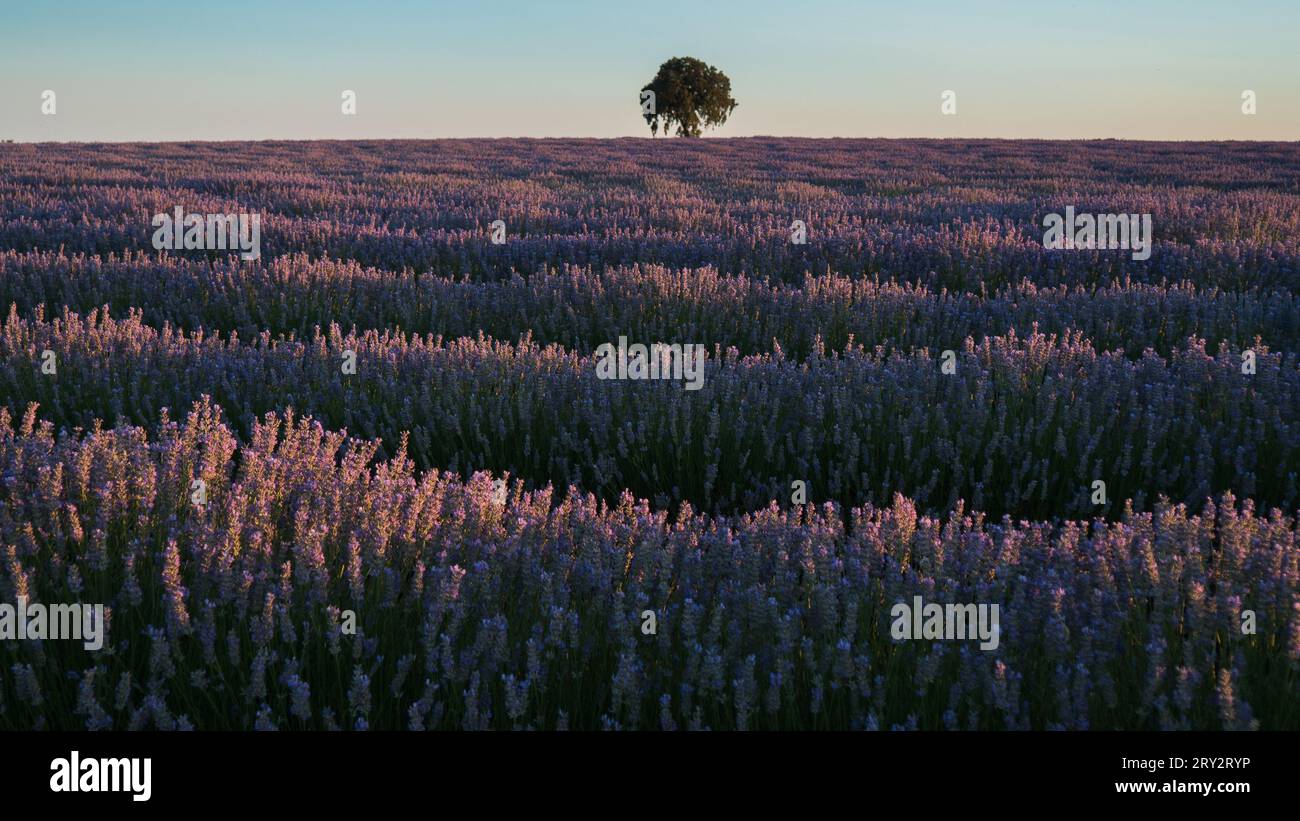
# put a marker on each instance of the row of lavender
(471, 611)
(1025, 426)
(959, 216)
(581, 308)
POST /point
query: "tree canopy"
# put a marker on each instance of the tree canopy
(689, 94)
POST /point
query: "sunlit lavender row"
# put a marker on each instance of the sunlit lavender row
(473, 611)
(962, 215)
(1024, 426)
(581, 308)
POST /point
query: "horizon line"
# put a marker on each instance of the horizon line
(675, 139)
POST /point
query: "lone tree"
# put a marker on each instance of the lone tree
(687, 93)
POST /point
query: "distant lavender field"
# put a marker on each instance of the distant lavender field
(370, 491)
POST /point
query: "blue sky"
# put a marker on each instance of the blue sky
(498, 68)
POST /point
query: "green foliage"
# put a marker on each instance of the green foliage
(689, 94)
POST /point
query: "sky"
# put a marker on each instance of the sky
(236, 70)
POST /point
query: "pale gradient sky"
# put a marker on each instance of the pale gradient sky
(1158, 69)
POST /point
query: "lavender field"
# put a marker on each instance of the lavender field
(421, 504)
